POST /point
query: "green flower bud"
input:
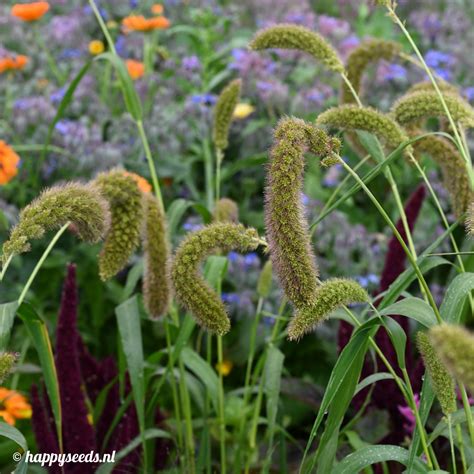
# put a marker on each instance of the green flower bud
(287, 230)
(126, 206)
(223, 112)
(443, 384)
(80, 204)
(426, 104)
(191, 289)
(453, 167)
(156, 286)
(328, 297)
(7, 361)
(367, 52)
(226, 210)
(455, 348)
(264, 284)
(288, 36)
(351, 117)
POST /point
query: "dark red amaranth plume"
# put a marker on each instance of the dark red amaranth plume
(386, 394)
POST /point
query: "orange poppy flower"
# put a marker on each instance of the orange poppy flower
(136, 69)
(13, 406)
(142, 183)
(157, 9)
(21, 61)
(140, 23)
(11, 63)
(30, 11)
(8, 163)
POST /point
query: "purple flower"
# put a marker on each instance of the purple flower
(409, 416)
(391, 72)
(191, 63)
(469, 93)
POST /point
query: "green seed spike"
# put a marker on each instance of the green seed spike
(189, 286)
(223, 112)
(288, 36)
(156, 285)
(264, 284)
(329, 296)
(80, 204)
(351, 117)
(287, 230)
(428, 86)
(126, 206)
(453, 167)
(367, 52)
(226, 210)
(423, 104)
(443, 384)
(7, 361)
(470, 219)
(455, 348)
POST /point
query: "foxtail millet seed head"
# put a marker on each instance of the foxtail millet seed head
(223, 112)
(126, 206)
(226, 210)
(7, 362)
(455, 348)
(156, 284)
(191, 290)
(80, 204)
(443, 383)
(290, 36)
(329, 296)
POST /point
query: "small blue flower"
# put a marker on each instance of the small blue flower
(57, 96)
(469, 93)
(203, 99)
(230, 298)
(251, 259)
(395, 72)
(233, 256)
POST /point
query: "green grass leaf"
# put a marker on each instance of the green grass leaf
(39, 335)
(7, 316)
(414, 308)
(455, 297)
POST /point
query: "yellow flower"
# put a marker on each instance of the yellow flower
(13, 406)
(111, 24)
(243, 110)
(96, 47)
(225, 367)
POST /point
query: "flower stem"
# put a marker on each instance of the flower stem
(221, 407)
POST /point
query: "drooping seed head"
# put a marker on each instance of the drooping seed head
(351, 117)
(223, 113)
(455, 348)
(328, 297)
(126, 206)
(453, 168)
(289, 36)
(80, 204)
(286, 227)
(7, 361)
(191, 290)
(428, 86)
(156, 286)
(369, 51)
(443, 384)
(425, 104)
(226, 210)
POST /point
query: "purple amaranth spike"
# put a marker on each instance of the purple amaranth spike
(386, 395)
(78, 433)
(45, 437)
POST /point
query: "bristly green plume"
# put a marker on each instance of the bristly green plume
(443, 384)
(223, 112)
(126, 207)
(287, 230)
(428, 86)
(156, 286)
(190, 288)
(453, 167)
(80, 204)
(470, 219)
(328, 297)
(455, 347)
(264, 284)
(7, 361)
(351, 117)
(289, 36)
(367, 52)
(426, 104)
(226, 210)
